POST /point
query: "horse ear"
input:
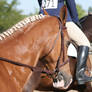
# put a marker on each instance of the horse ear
(45, 12)
(63, 14)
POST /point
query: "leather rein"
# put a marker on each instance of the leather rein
(46, 71)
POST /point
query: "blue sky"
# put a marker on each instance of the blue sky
(28, 6)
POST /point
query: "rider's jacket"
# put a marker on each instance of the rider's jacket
(53, 8)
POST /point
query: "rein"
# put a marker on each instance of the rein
(45, 71)
(83, 19)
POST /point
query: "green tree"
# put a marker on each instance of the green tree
(81, 12)
(9, 15)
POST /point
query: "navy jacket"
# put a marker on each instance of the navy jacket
(71, 7)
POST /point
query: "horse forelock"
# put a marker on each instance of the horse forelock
(20, 25)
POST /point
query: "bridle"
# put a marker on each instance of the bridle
(46, 71)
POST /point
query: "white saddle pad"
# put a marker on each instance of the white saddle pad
(72, 51)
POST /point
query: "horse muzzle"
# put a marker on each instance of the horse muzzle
(62, 81)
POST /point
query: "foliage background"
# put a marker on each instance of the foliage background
(9, 15)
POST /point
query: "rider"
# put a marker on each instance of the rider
(74, 31)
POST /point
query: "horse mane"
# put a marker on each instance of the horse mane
(20, 25)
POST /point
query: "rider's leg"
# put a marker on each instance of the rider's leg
(79, 37)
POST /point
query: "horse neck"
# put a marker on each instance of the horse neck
(24, 48)
(27, 48)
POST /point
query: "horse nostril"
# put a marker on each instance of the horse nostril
(60, 77)
(54, 80)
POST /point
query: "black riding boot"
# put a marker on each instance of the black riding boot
(81, 65)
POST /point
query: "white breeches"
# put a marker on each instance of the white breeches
(76, 34)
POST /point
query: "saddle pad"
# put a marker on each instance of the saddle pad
(72, 51)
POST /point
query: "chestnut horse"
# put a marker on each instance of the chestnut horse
(34, 39)
(35, 42)
(46, 84)
(87, 29)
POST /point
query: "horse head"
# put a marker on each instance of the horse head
(64, 78)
